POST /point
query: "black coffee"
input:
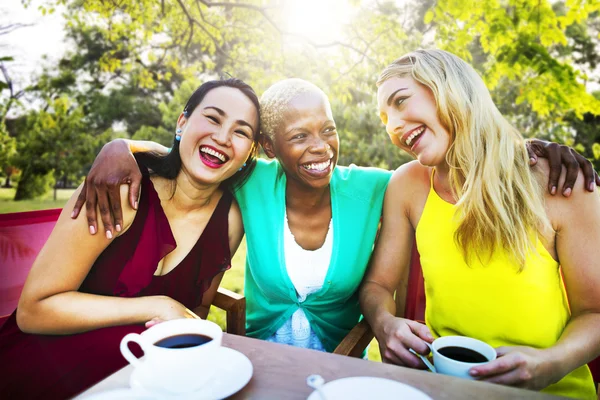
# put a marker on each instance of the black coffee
(183, 341)
(462, 354)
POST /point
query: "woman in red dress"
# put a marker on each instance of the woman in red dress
(85, 292)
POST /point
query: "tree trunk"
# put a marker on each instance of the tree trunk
(7, 182)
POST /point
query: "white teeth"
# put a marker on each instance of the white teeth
(318, 166)
(414, 135)
(212, 152)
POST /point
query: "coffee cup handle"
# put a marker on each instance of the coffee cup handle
(132, 337)
(427, 363)
(430, 346)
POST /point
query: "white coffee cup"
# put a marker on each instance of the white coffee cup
(176, 370)
(449, 366)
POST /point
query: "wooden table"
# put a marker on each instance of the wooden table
(280, 372)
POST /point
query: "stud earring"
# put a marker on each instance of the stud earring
(178, 134)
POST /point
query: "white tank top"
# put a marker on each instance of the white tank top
(307, 270)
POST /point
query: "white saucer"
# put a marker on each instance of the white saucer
(118, 394)
(367, 387)
(234, 372)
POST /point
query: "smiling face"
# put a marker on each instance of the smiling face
(217, 138)
(306, 142)
(408, 110)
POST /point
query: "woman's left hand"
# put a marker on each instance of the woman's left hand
(519, 366)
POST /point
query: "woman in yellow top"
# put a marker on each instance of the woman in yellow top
(491, 239)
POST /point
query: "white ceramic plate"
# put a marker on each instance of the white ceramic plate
(118, 394)
(366, 387)
(234, 372)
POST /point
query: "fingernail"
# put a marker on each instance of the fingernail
(108, 235)
(553, 190)
(532, 160)
(567, 192)
(135, 205)
(73, 214)
(92, 230)
(473, 373)
(591, 186)
(118, 227)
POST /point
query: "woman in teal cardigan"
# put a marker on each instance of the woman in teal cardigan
(310, 224)
(306, 194)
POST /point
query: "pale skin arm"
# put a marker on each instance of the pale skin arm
(577, 225)
(50, 302)
(390, 259)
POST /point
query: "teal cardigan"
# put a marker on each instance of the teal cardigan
(356, 202)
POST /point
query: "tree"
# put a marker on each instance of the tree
(7, 150)
(519, 48)
(7, 143)
(131, 56)
(53, 145)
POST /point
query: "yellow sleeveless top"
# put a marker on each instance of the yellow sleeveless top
(493, 302)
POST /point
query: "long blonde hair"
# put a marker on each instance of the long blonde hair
(499, 202)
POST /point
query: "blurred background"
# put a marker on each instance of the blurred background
(75, 74)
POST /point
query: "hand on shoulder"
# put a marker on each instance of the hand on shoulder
(128, 213)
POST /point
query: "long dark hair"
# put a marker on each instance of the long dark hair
(168, 166)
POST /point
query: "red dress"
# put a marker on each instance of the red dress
(61, 366)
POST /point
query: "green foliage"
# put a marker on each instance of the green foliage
(135, 63)
(525, 43)
(7, 147)
(159, 135)
(54, 142)
(168, 113)
(363, 140)
(32, 185)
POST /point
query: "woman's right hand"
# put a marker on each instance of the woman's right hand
(167, 309)
(114, 166)
(397, 335)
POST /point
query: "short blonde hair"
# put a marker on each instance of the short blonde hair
(500, 203)
(274, 102)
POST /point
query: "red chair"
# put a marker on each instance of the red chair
(22, 236)
(410, 303)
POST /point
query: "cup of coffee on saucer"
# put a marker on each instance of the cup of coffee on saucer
(179, 354)
(456, 355)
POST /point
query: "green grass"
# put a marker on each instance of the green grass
(233, 279)
(8, 205)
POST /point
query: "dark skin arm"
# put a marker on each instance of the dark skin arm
(115, 165)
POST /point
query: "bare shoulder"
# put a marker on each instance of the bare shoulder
(541, 172)
(410, 179)
(561, 208)
(128, 212)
